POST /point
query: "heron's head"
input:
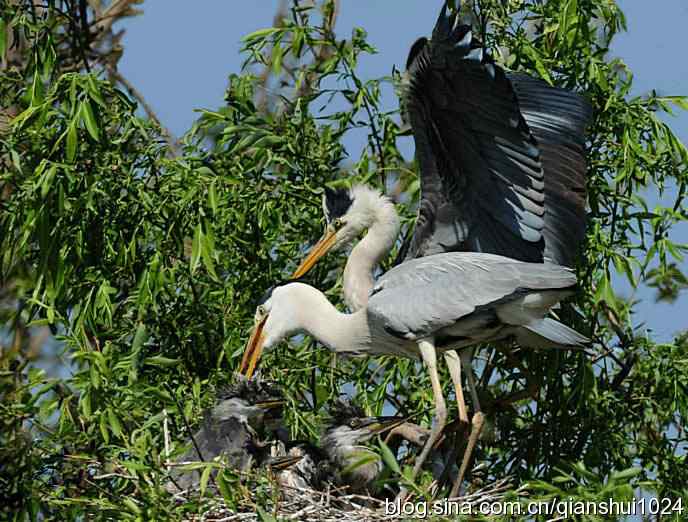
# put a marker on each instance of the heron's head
(255, 401)
(348, 212)
(349, 426)
(275, 319)
(358, 430)
(344, 440)
(254, 413)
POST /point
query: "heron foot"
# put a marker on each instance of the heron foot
(410, 432)
(477, 424)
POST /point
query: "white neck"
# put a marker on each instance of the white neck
(315, 315)
(365, 256)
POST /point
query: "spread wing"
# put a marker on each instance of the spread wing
(557, 119)
(501, 155)
(446, 287)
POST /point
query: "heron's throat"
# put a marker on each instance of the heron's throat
(367, 254)
(338, 331)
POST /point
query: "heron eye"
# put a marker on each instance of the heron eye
(338, 223)
(353, 423)
(261, 310)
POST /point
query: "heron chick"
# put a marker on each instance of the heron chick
(353, 464)
(231, 429)
(341, 458)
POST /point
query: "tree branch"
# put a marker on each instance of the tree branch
(116, 77)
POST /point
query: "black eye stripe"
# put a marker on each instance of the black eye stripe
(337, 203)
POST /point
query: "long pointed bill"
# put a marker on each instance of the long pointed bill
(320, 249)
(269, 405)
(253, 350)
(281, 463)
(380, 425)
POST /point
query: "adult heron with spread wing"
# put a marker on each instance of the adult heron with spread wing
(502, 170)
(502, 166)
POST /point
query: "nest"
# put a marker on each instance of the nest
(308, 505)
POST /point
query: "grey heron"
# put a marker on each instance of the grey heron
(341, 457)
(502, 169)
(353, 464)
(231, 429)
(438, 303)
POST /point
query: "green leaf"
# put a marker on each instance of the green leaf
(389, 459)
(276, 58)
(71, 142)
(131, 505)
(36, 89)
(85, 403)
(140, 337)
(366, 457)
(679, 101)
(205, 171)
(205, 476)
(3, 38)
(212, 197)
(196, 249)
(297, 42)
(626, 474)
(94, 91)
(260, 33)
(159, 360)
(25, 116)
(569, 22)
(224, 489)
(47, 180)
(89, 120)
(114, 422)
(207, 250)
(540, 66)
(103, 425)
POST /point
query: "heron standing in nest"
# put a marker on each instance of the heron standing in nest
(502, 171)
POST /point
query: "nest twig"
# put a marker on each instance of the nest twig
(308, 505)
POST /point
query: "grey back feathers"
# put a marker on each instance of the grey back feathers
(451, 286)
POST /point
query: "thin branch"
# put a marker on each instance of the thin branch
(169, 138)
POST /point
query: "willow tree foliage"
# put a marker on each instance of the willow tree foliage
(135, 262)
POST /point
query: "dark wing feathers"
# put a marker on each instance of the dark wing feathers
(500, 154)
(437, 299)
(557, 119)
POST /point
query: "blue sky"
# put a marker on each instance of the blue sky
(179, 54)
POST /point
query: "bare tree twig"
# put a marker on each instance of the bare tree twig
(116, 10)
(169, 138)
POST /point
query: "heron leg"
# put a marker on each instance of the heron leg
(476, 423)
(427, 351)
(454, 364)
(453, 361)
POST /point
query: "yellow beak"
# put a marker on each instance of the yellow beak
(281, 463)
(319, 250)
(382, 424)
(253, 350)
